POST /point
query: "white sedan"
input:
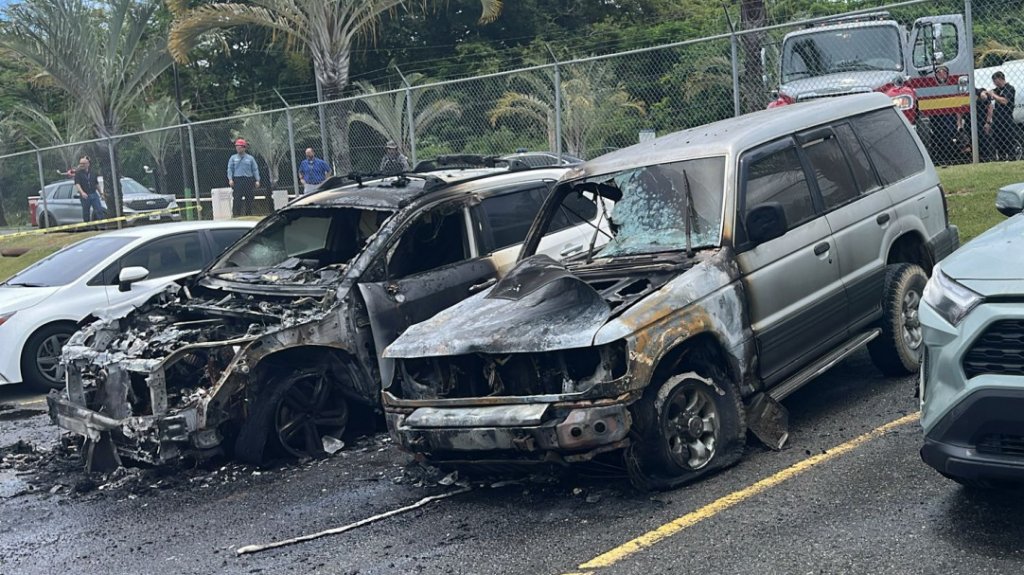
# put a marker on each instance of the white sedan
(41, 305)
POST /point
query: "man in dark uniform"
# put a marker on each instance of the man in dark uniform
(1004, 138)
(87, 186)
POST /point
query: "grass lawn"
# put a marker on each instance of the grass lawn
(970, 190)
(971, 194)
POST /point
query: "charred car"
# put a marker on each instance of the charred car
(746, 257)
(273, 348)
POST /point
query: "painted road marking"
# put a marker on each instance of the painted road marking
(710, 510)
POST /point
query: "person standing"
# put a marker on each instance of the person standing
(244, 179)
(393, 162)
(312, 172)
(944, 145)
(87, 186)
(1003, 97)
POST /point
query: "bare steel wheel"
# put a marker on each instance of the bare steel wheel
(311, 409)
(691, 426)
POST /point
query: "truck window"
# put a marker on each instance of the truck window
(949, 45)
(832, 172)
(863, 173)
(779, 177)
(892, 149)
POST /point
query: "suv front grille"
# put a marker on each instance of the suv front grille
(1001, 444)
(150, 204)
(999, 350)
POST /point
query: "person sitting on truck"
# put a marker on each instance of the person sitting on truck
(1003, 99)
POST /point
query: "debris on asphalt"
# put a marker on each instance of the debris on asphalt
(334, 531)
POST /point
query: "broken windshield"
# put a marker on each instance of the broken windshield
(652, 207)
(843, 50)
(301, 246)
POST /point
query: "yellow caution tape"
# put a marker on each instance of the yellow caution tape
(69, 227)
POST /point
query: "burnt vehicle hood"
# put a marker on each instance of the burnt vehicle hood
(542, 305)
(839, 84)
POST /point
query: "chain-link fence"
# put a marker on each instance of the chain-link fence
(938, 60)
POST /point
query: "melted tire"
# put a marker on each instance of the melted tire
(890, 351)
(653, 460)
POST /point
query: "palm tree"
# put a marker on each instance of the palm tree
(102, 54)
(386, 114)
(327, 29)
(156, 115)
(267, 135)
(592, 97)
(40, 127)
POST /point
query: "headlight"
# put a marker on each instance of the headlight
(6, 316)
(950, 299)
(904, 102)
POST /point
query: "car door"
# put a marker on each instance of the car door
(167, 258)
(859, 212)
(794, 289)
(430, 264)
(65, 205)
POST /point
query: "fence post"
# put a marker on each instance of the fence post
(409, 116)
(195, 170)
(291, 143)
(558, 105)
(969, 25)
(115, 183)
(735, 61)
(42, 186)
(323, 121)
(181, 137)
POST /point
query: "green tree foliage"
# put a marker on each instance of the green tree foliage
(387, 114)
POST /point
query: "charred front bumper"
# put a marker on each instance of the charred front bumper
(542, 431)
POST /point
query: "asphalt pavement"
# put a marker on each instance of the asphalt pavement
(848, 494)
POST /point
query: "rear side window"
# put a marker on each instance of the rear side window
(63, 192)
(889, 144)
(509, 216)
(575, 209)
(863, 173)
(835, 181)
(778, 177)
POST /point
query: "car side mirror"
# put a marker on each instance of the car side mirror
(130, 275)
(766, 222)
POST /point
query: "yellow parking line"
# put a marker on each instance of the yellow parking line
(675, 526)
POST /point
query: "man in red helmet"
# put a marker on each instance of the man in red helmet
(244, 179)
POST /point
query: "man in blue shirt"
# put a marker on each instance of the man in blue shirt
(244, 179)
(313, 171)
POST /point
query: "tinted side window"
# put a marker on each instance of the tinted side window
(177, 254)
(509, 215)
(222, 239)
(575, 209)
(63, 192)
(891, 147)
(779, 178)
(835, 181)
(863, 173)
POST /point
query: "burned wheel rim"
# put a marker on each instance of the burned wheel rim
(311, 409)
(690, 425)
(911, 321)
(48, 357)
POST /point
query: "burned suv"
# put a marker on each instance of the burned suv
(273, 347)
(745, 257)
